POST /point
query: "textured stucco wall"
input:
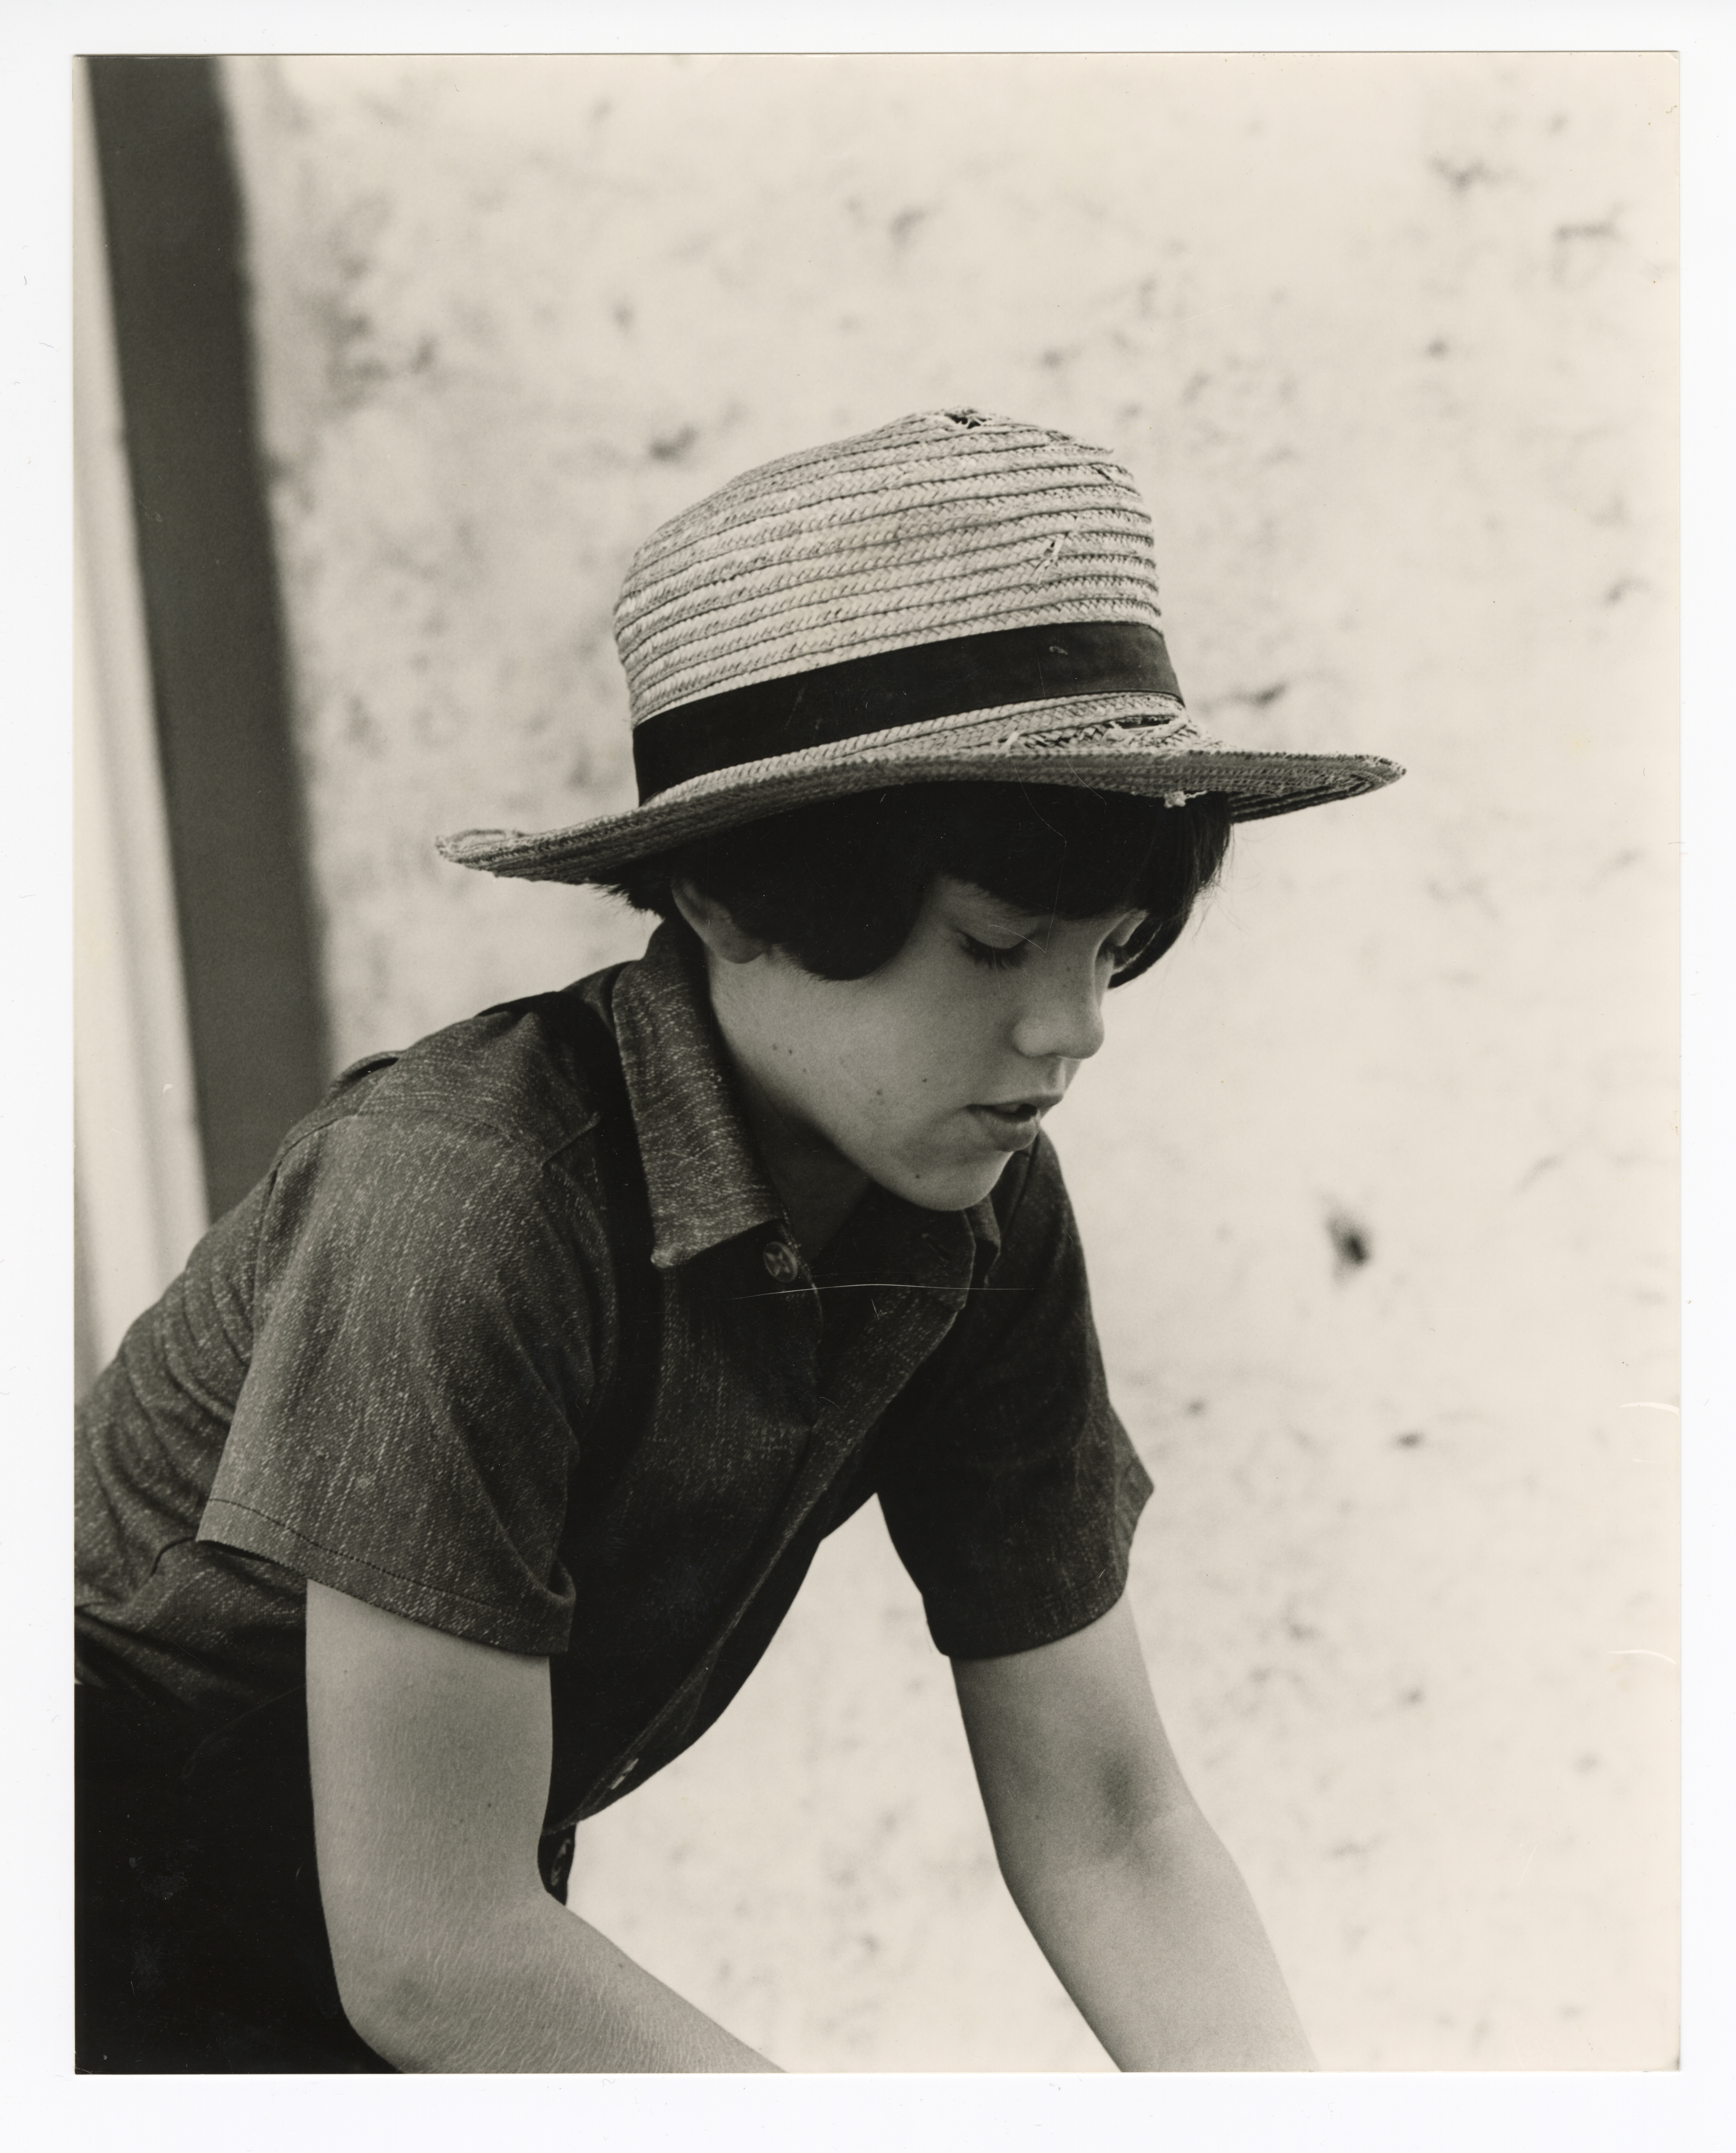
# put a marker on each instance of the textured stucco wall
(1390, 345)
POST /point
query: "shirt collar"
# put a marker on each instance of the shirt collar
(980, 1219)
(705, 1183)
(702, 1174)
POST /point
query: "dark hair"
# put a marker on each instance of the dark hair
(839, 885)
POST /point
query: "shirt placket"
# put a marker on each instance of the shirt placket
(910, 1317)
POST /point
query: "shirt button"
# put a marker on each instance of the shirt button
(780, 1260)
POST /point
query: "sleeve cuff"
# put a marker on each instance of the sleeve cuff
(535, 1632)
(1082, 1594)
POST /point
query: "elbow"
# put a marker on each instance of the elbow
(393, 2005)
(438, 1992)
(1112, 1827)
(390, 1987)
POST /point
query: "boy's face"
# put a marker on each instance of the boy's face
(927, 1075)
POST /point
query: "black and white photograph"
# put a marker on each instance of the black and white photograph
(875, 867)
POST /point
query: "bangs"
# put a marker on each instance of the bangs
(1073, 854)
(1055, 849)
(839, 885)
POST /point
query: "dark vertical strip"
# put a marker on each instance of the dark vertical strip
(212, 613)
(87, 1353)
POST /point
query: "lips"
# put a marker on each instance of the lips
(1014, 1123)
(1033, 1102)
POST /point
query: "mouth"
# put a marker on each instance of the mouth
(1015, 1122)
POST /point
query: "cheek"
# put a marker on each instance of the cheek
(882, 1062)
(856, 1079)
(850, 1071)
(921, 1061)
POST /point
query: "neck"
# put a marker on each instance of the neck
(817, 1186)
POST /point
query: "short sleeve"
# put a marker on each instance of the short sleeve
(422, 1359)
(1012, 1494)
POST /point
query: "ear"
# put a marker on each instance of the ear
(722, 938)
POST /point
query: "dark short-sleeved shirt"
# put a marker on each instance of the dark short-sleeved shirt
(513, 1341)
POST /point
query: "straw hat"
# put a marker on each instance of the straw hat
(953, 596)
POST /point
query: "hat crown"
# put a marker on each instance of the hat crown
(942, 524)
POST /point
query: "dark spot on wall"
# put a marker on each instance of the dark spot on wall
(1462, 177)
(1619, 589)
(1196, 1406)
(1410, 1696)
(1438, 347)
(670, 448)
(1603, 228)
(1546, 1165)
(905, 224)
(358, 726)
(1250, 698)
(1353, 1245)
(1410, 1440)
(1578, 250)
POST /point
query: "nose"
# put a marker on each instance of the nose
(1062, 1021)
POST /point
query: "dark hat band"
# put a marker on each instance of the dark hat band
(910, 686)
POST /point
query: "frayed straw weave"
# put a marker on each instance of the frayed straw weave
(940, 527)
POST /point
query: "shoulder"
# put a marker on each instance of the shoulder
(523, 1080)
(495, 1147)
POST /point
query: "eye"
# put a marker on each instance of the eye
(991, 956)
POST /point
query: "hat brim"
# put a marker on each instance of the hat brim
(1133, 743)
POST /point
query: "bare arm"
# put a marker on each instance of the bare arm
(1124, 1885)
(430, 1770)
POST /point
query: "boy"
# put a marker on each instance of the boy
(465, 1474)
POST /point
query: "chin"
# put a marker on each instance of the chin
(953, 1188)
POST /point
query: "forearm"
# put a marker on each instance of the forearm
(1125, 1885)
(529, 1987)
(431, 1759)
(1158, 1943)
